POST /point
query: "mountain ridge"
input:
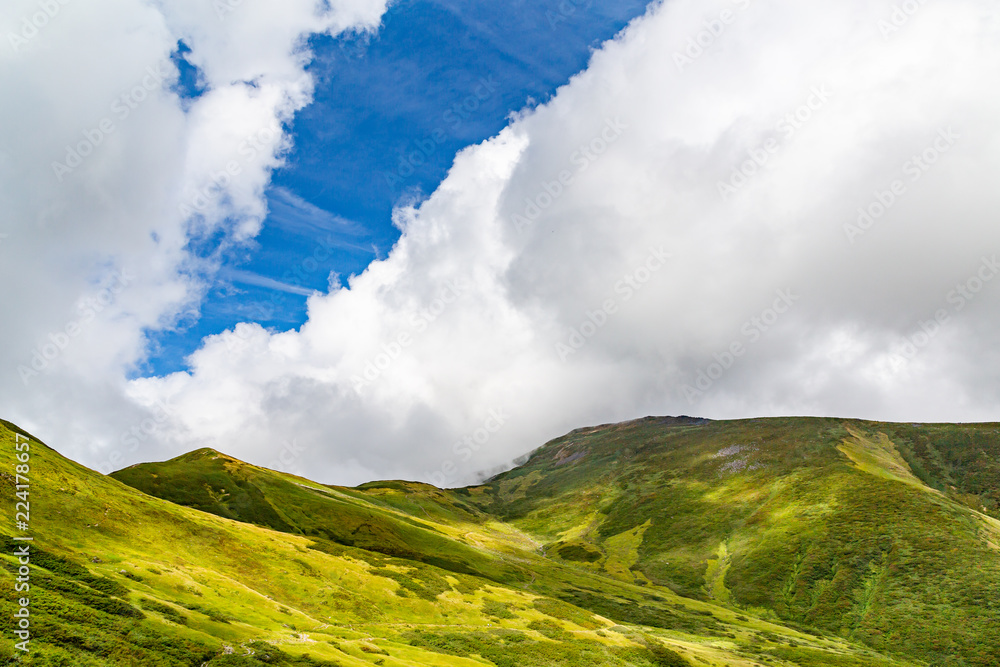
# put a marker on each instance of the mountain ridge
(649, 542)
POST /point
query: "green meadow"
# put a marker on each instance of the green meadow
(663, 541)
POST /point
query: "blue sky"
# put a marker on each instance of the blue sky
(391, 110)
(471, 312)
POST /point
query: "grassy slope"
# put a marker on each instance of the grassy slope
(122, 578)
(819, 522)
(215, 483)
(230, 584)
(961, 461)
(423, 523)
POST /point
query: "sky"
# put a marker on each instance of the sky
(362, 242)
(390, 111)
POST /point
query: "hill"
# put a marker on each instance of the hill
(658, 542)
(878, 533)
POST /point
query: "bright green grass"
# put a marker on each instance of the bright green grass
(828, 524)
(402, 574)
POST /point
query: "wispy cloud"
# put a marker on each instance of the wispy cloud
(295, 215)
(257, 280)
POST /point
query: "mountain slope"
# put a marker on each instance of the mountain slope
(408, 520)
(819, 522)
(216, 483)
(121, 578)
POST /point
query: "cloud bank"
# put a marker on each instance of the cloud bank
(741, 208)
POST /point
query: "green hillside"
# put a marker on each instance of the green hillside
(215, 483)
(413, 521)
(657, 542)
(819, 522)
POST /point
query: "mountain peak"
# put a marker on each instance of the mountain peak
(207, 453)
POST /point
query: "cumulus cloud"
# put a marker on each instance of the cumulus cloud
(750, 207)
(107, 175)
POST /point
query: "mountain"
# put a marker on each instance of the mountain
(884, 534)
(656, 542)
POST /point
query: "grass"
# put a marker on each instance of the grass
(665, 543)
(715, 575)
(846, 527)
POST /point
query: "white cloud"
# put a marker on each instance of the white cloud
(400, 373)
(101, 166)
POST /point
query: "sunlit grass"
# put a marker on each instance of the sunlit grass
(651, 550)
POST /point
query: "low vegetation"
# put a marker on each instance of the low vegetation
(658, 542)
